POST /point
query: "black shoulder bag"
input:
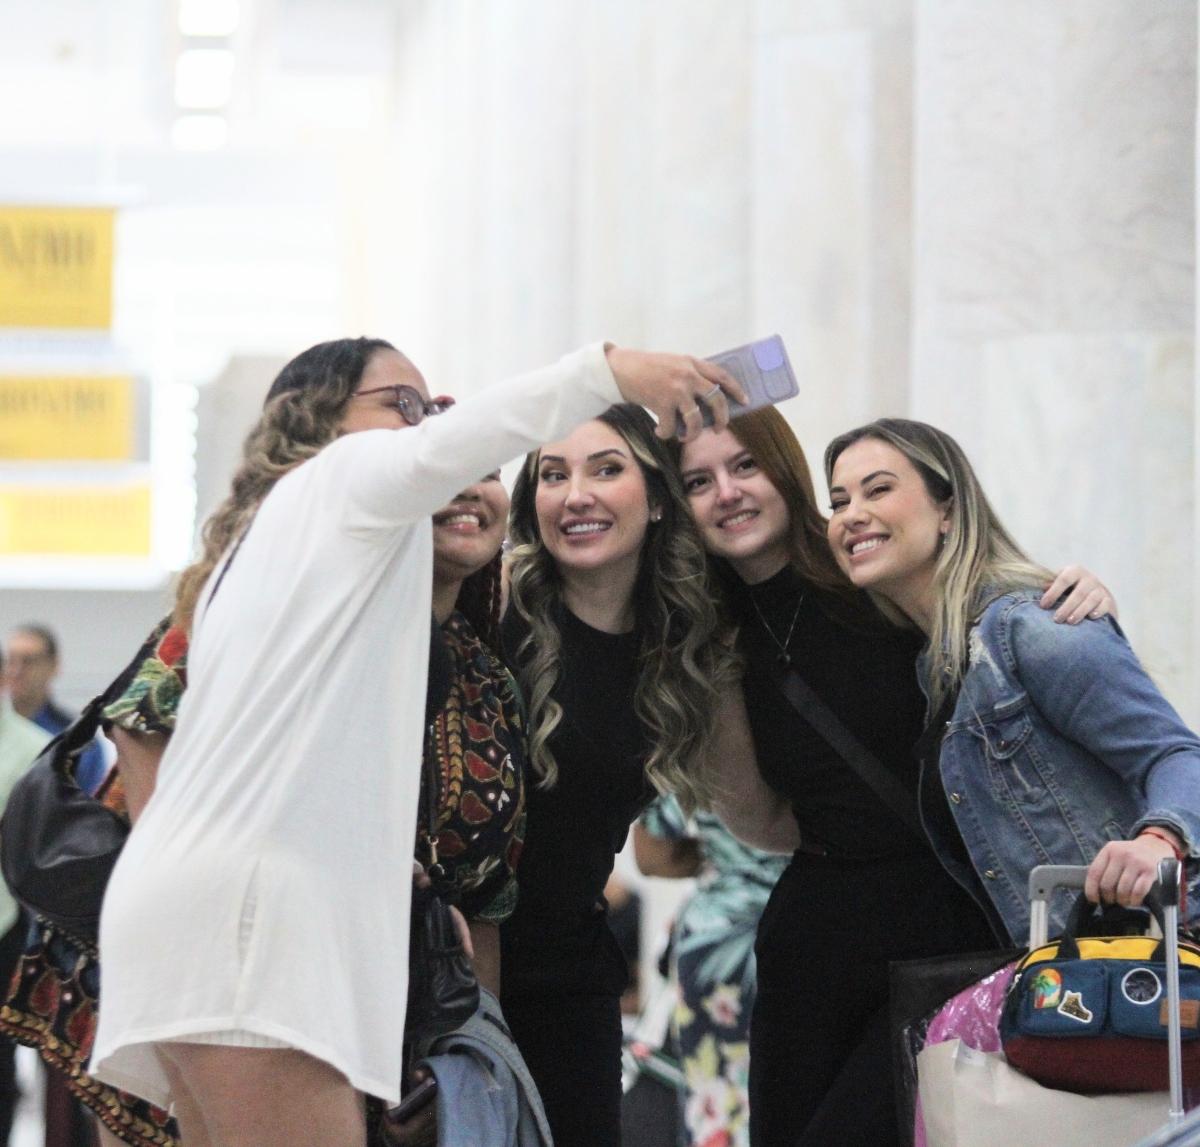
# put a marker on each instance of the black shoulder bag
(58, 845)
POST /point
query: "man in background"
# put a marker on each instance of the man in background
(31, 665)
(20, 743)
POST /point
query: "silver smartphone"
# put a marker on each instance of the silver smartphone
(764, 371)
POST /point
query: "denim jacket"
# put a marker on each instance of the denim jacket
(1059, 743)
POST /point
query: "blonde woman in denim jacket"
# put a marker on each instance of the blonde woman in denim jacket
(1053, 744)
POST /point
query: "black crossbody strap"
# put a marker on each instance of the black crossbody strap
(870, 770)
(866, 766)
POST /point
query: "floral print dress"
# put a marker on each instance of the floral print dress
(714, 961)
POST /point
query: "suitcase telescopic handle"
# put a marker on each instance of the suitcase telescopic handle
(1043, 880)
(1169, 877)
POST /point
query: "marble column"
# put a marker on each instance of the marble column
(1054, 301)
(831, 205)
(680, 175)
(1194, 710)
(483, 169)
(665, 173)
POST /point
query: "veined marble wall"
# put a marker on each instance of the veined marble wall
(1054, 298)
(681, 174)
(831, 205)
(979, 212)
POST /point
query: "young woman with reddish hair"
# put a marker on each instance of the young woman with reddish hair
(862, 888)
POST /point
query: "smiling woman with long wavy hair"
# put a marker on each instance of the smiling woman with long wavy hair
(617, 644)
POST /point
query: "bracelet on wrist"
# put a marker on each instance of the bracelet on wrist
(1180, 854)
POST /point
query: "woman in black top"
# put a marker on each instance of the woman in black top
(620, 654)
(862, 888)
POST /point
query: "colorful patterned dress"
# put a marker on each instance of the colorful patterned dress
(714, 959)
(478, 742)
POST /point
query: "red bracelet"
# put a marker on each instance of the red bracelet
(1152, 830)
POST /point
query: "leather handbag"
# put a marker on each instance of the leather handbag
(443, 992)
(1090, 1014)
(58, 845)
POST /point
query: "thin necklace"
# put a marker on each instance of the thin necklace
(784, 658)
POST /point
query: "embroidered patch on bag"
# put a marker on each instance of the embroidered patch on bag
(1073, 1008)
(1189, 1014)
(1141, 986)
(1047, 988)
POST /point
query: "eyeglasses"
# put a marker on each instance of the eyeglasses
(408, 401)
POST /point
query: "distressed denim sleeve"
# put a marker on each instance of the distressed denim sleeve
(1088, 683)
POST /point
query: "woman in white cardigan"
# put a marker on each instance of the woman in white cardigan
(241, 927)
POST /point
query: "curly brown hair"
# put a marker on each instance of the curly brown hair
(301, 417)
(686, 655)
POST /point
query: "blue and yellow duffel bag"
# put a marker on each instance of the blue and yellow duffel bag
(1089, 1014)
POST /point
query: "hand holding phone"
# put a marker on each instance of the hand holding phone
(764, 372)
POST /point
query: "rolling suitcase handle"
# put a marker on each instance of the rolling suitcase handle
(1043, 880)
(1179, 1131)
(1169, 877)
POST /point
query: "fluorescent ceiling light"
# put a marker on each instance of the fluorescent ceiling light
(208, 17)
(203, 78)
(198, 132)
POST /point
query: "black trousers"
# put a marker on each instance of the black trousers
(572, 1046)
(820, 1057)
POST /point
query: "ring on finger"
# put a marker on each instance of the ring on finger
(711, 394)
(689, 413)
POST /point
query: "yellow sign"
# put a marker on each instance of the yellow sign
(56, 267)
(56, 418)
(75, 519)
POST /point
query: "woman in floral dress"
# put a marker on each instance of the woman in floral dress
(714, 959)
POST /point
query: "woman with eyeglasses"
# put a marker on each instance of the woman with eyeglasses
(269, 851)
(474, 744)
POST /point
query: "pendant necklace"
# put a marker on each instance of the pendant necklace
(784, 658)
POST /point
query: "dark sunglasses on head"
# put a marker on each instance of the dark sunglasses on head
(412, 407)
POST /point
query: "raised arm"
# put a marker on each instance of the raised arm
(753, 811)
(398, 476)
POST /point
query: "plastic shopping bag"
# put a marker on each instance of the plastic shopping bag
(972, 1098)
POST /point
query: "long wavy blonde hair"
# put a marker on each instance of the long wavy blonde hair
(686, 652)
(979, 561)
(302, 413)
